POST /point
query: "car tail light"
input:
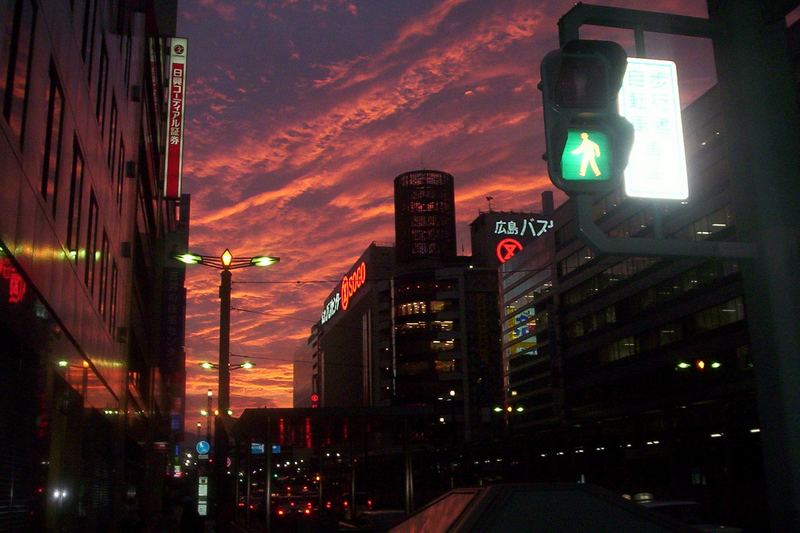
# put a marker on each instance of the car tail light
(307, 511)
(327, 505)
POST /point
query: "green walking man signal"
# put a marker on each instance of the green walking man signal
(588, 142)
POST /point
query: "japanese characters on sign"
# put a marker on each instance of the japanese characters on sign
(529, 228)
(650, 100)
(176, 85)
(533, 227)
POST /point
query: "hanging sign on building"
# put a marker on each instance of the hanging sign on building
(509, 233)
(176, 103)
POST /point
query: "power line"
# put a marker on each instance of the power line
(269, 313)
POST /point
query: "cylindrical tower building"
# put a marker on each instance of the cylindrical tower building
(424, 215)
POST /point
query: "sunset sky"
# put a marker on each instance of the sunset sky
(301, 113)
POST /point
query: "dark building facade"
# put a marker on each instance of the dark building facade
(91, 320)
(635, 372)
(415, 324)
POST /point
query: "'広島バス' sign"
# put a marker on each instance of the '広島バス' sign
(350, 285)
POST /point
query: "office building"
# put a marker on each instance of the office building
(91, 317)
(635, 373)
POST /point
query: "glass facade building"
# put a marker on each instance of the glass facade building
(91, 314)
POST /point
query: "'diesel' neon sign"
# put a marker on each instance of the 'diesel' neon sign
(350, 285)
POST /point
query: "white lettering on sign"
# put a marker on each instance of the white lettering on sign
(530, 226)
(330, 308)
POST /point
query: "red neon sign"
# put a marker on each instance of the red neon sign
(507, 248)
(16, 284)
(353, 282)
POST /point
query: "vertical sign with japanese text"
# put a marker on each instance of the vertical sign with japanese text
(176, 99)
(650, 100)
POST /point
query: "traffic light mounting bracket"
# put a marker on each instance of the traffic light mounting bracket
(600, 242)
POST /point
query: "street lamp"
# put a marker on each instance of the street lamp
(225, 263)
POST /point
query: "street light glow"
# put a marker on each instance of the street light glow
(189, 258)
(264, 260)
(207, 365)
(247, 365)
(226, 258)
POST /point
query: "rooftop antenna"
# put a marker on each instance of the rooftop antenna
(489, 199)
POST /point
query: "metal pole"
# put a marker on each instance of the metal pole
(268, 483)
(224, 341)
(249, 466)
(761, 130)
(208, 418)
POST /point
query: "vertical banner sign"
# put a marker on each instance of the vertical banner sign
(649, 99)
(176, 101)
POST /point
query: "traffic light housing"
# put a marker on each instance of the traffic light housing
(588, 142)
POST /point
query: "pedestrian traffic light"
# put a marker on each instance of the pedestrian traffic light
(588, 142)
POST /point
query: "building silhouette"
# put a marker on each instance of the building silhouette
(91, 314)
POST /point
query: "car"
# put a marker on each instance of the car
(689, 513)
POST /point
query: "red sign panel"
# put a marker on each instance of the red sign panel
(353, 282)
(173, 165)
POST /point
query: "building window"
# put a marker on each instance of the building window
(443, 345)
(574, 261)
(102, 86)
(91, 244)
(128, 50)
(17, 23)
(412, 326)
(101, 293)
(442, 325)
(437, 306)
(446, 367)
(720, 315)
(52, 142)
(120, 174)
(412, 308)
(87, 39)
(619, 350)
(112, 297)
(112, 136)
(75, 201)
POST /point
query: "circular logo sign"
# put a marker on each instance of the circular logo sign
(507, 248)
(203, 447)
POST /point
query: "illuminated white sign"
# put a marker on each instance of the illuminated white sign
(650, 101)
(330, 308)
(530, 226)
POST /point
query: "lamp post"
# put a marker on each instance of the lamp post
(225, 263)
(208, 365)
